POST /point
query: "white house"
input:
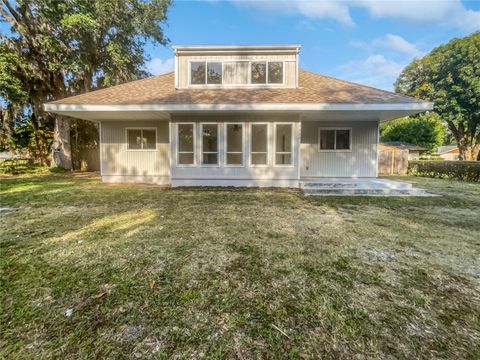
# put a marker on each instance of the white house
(237, 116)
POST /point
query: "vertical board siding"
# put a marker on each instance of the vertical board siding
(117, 161)
(360, 162)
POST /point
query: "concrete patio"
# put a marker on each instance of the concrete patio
(359, 187)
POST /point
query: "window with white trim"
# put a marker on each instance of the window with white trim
(283, 144)
(334, 139)
(141, 139)
(185, 144)
(234, 144)
(209, 144)
(205, 72)
(259, 144)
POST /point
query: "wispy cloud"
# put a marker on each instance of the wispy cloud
(158, 66)
(375, 70)
(390, 42)
(444, 12)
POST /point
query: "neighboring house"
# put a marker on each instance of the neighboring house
(237, 116)
(414, 151)
(450, 152)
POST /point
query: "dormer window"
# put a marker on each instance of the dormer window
(260, 75)
(201, 71)
(236, 72)
(259, 72)
(275, 72)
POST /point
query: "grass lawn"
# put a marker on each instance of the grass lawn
(154, 272)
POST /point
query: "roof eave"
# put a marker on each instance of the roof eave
(419, 106)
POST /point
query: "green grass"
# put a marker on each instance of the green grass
(194, 273)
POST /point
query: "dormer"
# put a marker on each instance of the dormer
(236, 66)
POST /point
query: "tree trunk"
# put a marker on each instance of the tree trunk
(476, 151)
(61, 148)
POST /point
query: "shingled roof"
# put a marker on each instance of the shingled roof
(313, 88)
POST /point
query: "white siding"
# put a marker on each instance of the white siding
(360, 162)
(119, 164)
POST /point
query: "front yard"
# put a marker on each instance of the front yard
(120, 271)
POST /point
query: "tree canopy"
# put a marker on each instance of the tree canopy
(425, 130)
(62, 48)
(450, 77)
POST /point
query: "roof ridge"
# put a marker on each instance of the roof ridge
(365, 86)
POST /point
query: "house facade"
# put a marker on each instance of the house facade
(237, 116)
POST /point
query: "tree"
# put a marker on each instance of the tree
(74, 46)
(425, 130)
(450, 77)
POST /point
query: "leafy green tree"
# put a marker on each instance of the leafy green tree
(425, 130)
(450, 76)
(74, 46)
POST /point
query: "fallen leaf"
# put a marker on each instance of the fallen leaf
(99, 295)
(152, 284)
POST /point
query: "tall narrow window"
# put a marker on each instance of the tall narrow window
(209, 144)
(259, 72)
(141, 139)
(259, 144)
(334, 140)
(283, 144)
(186, 144)
(275, 72)
(234, 148)
(214, 73)
(197, 73)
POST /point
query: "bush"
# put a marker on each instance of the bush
(460, 170)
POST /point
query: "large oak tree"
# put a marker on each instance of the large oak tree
(73, 46)
(450, 77)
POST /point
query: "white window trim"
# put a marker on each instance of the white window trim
(177, 152)
(141, 128)
(225, 144)
(210, 152)
(335, 139)
(291, 152)
(250, 152)
(249, 80)
(206, 78)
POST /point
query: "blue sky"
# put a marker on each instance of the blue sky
(366, 41)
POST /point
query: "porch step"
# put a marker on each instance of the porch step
(360, 187)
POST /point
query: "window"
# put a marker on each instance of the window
(234, 141)
(334, 139)
(259, 72)
(197, 73)
(283, 144)
(275, 72)
(141, 139)
(214, 73)
(202, 73)
(209, 144)
(186, 144)
(259, 144)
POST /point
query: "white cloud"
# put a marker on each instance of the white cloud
(398, 44)
(445, 12)
(157, 66)
(375, 70)
(450, 12)
(336, 10)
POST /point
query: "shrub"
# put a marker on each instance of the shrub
(460, 170)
